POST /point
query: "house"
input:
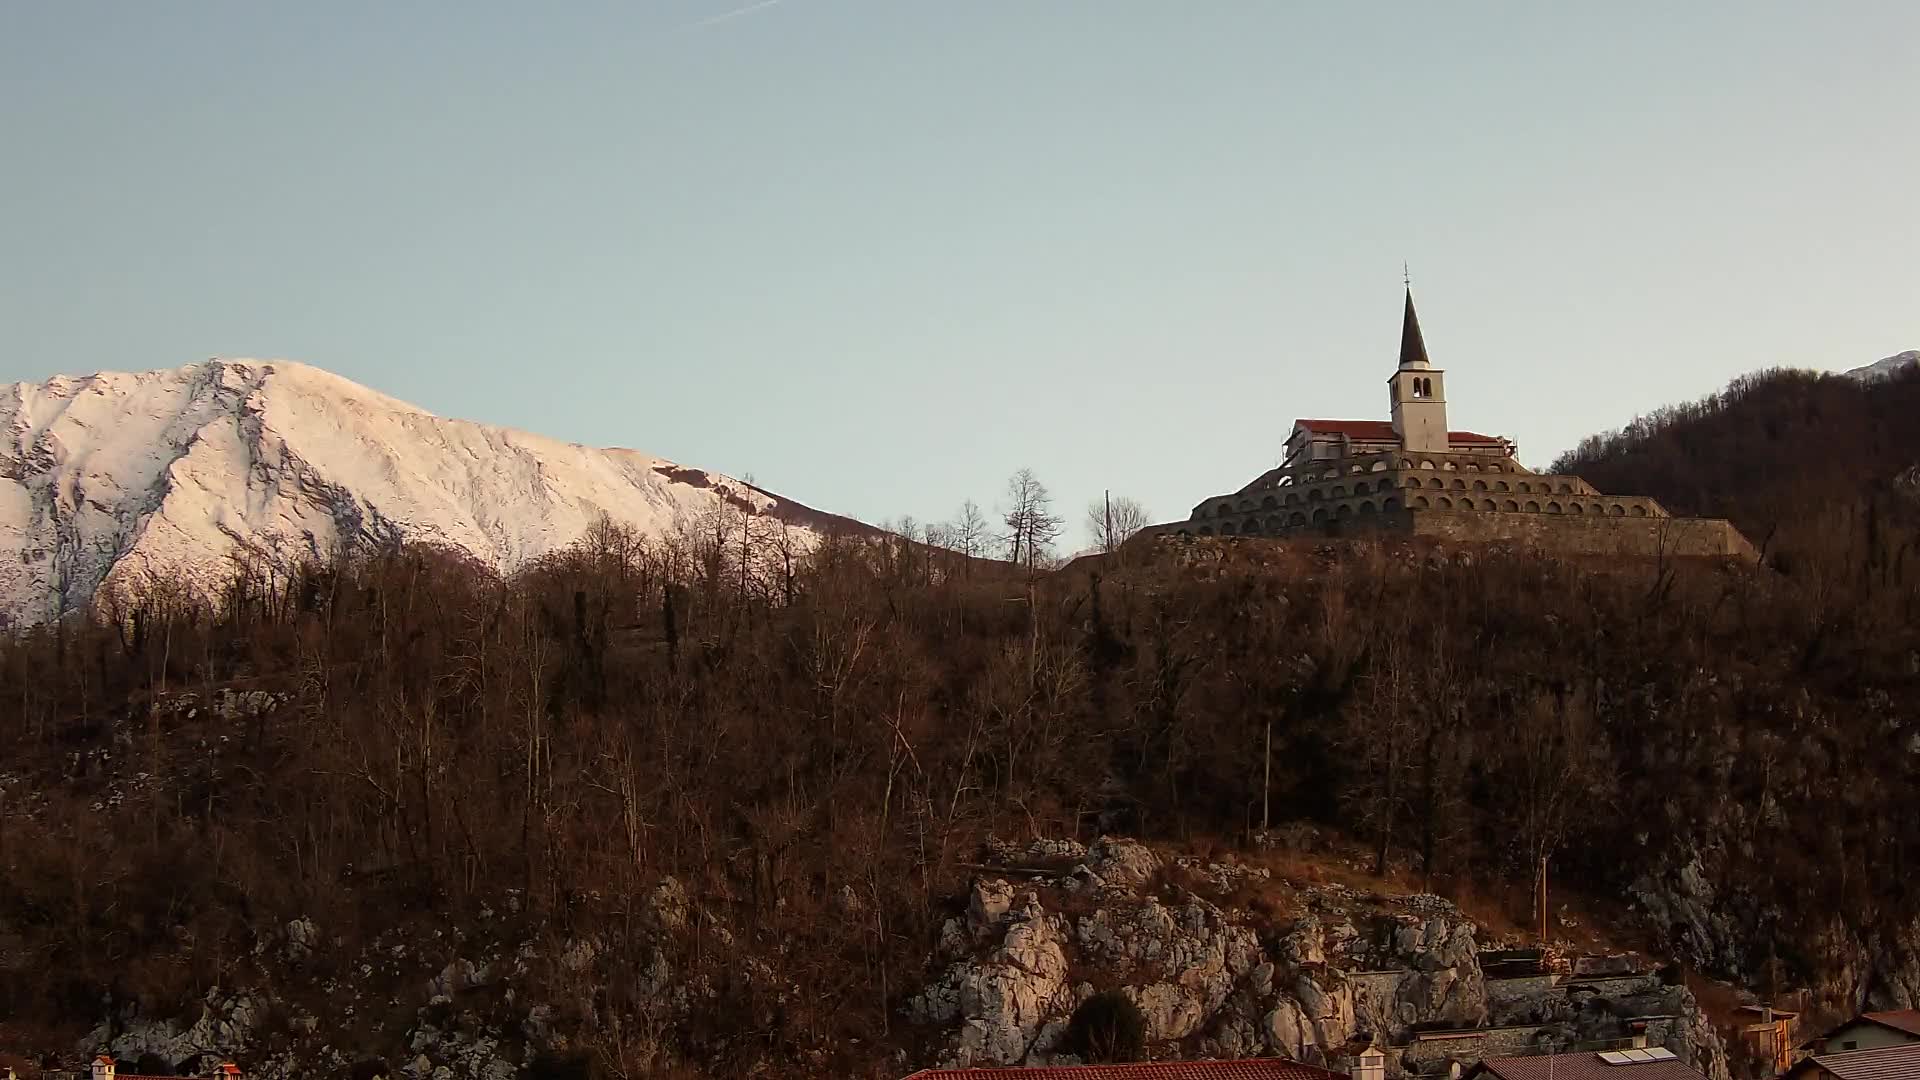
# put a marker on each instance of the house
(1898, 1061)
(1870, 1031)
(105, 1069)
(1641, 1063)
(1245, 1069)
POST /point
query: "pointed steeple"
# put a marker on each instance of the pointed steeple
(1413, 348)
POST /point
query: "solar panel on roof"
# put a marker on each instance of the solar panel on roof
(1659, 1053)
(1612, 1057)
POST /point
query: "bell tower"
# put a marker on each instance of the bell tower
(1419, 392)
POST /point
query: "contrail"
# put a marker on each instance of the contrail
(734, 14)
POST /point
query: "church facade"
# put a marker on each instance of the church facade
(1412, 474)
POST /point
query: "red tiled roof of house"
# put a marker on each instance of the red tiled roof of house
(1382, 431)
(1907, 1020)
(1582, 1066)
(1247, 1069)
(1900, 1062)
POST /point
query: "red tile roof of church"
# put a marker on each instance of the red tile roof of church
(1247, 1069)
(1382, 431)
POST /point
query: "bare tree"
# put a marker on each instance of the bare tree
(969, 533)
(1032, 526)
(1114, 520)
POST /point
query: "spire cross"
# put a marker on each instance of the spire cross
(1406, 276)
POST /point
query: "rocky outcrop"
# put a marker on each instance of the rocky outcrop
(1001, 1001)
(1216, 981)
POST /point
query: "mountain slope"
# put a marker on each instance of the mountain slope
(1888, 368)
(1814, 467)
(113, 480)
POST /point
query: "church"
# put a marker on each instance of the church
(1412, 474)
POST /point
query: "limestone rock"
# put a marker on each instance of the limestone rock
(1288, 1031)
(1004, 1000)
(988, 904)
(1122, 862)
(667, 905)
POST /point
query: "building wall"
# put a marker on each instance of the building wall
(1589, 535)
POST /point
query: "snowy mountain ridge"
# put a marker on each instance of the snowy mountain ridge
(114, 480)
(1886, 369)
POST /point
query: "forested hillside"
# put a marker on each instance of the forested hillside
(1815, 468)
(403, 740)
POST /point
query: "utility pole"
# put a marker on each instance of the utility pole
(1543, 899)
(1106, 538)
(1266, 777)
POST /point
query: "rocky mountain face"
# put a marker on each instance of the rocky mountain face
(112, 482)
(1212, 979)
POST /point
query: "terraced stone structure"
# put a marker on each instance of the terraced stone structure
(1413, 475)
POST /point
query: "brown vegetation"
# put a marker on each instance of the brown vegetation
(784, 730)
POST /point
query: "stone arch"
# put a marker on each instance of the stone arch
(1496, 467)
(1379, 465)
(1390, 505)
(1553, 508)
(1532, 507)
(1227, 529)
(1290, 498)
(1459, 484)
(1252, 527)
(1617, 510)
(1501, 485)
(1444, 503)
(1343, 510)
(1315, 494)
(1339, 491)
(1420, 502)
(1639, 510)
(1285, 481)
(1524, 486)
(1246, 504)
(1576, 508)
(1464, 504)
(1361, 488)
(1449, 466)
(1206, 530)
(1224, 509)
(1269, 503)
(1425, 464)
(1356, 467)
(1296, 518)
(1367, 507)
(1471, 467)
(1320, 514)
(1566, 489)
(1479, 485)
(1596, 508)
(1510, 507)
(1406, 463)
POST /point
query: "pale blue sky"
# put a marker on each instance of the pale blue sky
(880, 253)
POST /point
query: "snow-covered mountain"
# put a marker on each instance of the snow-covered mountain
(109, 481)
(1888, 368)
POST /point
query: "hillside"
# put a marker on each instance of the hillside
(112, 482)
(1814, 468)
(631, 809)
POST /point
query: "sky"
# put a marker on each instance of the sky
(879, 254)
